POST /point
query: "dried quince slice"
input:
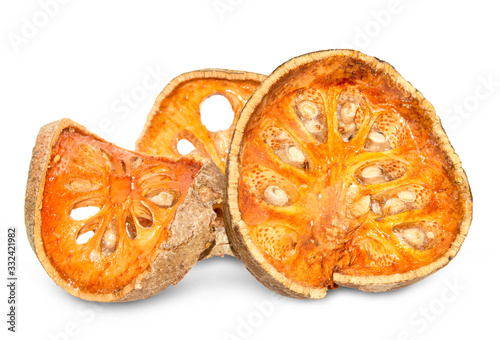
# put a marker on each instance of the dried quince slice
(340, 174)
(176, 115)
(150, 222)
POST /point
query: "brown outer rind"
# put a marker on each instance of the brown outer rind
(238, 234)
(213, 188)
(221, 244)
(191, 232)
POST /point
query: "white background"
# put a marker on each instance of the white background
(82, 59)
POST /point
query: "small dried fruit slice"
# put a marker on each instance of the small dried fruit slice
(149, 224)
(339, 173)
(176, 115)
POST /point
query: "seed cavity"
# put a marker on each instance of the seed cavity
(401, 199)
(277, 241)
(351, 111)
(154, 178)
(82, 185)
(380, 171)
(88, 160)
(293, 156)
(378, 252)
(316, 128)
(371, 172)
(269, 186)
(276, 196)
(86, 208)
(386, 133)
(361, 207)
(375, 206)
(376, 142)
(377, 137)
(285, 147)
(308, 109)
(352, 193)
(143, 217)
(296, 155)
(130, 228)
(87, 231)
(407, 196)
(184, 147)
(108, 160)
(164, 198)
(135, 163)
(393, 206)
(309, 106)
(419, 235)
(109, 239)
(84, 237)
(123, 166)
(83, 213)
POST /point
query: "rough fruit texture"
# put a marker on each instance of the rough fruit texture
(150, 222)
(176, 115)
(339, 173)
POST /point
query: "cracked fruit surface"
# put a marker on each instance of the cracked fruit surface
(340, 174)
(110, 224)
(176, 115)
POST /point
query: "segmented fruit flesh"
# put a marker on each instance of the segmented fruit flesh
(176, 114)
(369, 188)
(136, 197)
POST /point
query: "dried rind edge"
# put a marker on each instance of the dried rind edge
(238, 232)
(190, 234)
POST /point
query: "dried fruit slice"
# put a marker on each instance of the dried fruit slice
(372, 195)
(176, 115)
(149, 224)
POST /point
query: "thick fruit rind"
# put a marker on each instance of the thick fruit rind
(190, 232)
(238, 232)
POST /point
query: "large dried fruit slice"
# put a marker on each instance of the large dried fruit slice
(176, 115)
(149, 224)
(339, 173)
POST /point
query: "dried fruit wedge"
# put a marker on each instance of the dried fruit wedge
(340, 174)
(176, 115)
(151, 218)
